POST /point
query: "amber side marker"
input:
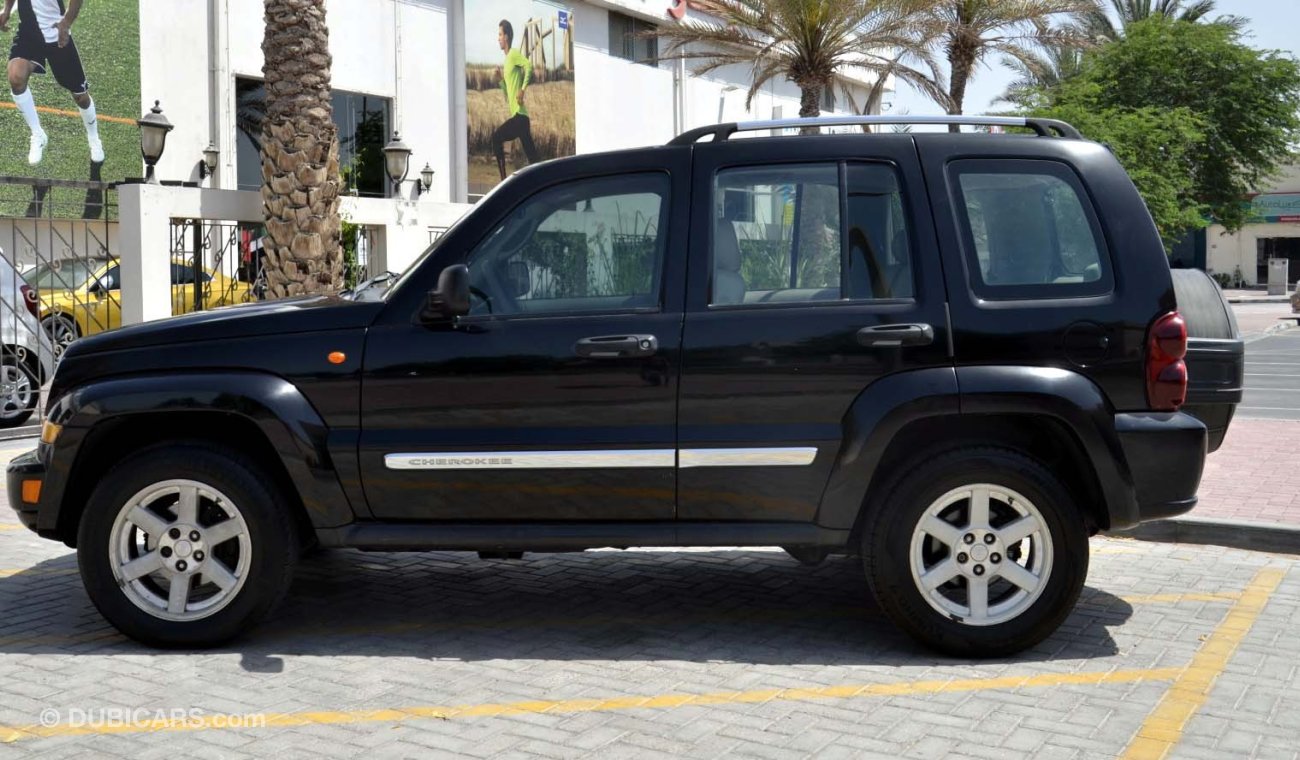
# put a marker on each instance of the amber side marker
(337, 357)
(31, 491)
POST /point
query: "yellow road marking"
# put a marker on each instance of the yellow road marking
(39, 571)
(10, 526)
(569, 706)
(1163, 728)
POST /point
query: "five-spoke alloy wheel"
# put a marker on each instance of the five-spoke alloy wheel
(977, 552)
(186, 545)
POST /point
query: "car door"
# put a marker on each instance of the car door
(556, 397)
(103, 301)
(811, 276)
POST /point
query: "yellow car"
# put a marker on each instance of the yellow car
(82, 296)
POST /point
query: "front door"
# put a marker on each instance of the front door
(556, 397)
(809, 279)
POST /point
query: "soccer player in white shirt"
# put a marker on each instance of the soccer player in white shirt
(44, 39)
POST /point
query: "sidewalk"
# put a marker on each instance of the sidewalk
(1253, 295)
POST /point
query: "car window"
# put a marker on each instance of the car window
(1030, 231)
(786, 234)
(63, 274)
(590, 245)
(111, 280)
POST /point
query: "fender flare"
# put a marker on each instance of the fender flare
(274, 405)
(884, 408)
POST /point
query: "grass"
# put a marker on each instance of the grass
(550, 109)
(107, 33)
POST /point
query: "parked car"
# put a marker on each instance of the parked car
(371, 289)
(26, 354)
(81, 296)
(956, 356)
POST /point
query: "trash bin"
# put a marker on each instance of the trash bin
(1278, 270)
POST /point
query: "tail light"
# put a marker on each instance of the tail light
(30, 298)
(1165, 368)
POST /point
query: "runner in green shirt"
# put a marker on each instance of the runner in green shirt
(515, 76)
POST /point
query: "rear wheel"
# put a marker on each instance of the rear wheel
(978, 553)
(62, 331)
(20, 389)
(186, 545)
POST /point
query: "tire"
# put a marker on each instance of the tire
(1212, 369)
(1056, 553)
(143, 494)
(20, 389)
(62, 330)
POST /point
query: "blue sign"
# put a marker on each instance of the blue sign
(1275, 207)
(564, 19)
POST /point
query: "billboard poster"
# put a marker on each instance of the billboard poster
(519, 88)
(74, 96)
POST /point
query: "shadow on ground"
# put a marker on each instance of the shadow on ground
(756, 607)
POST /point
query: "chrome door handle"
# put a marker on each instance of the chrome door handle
(616, 346)
(892, 336)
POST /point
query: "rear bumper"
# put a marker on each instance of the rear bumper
(1165, 454)
(25, 467)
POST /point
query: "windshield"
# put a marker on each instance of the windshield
(62, 274)
(415, 265)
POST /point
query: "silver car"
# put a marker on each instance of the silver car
(26, 353)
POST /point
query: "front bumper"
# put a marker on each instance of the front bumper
(1165, 454)
(24, 468)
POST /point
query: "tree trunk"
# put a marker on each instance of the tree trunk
(300, 153)
(961, 65)
(810, 106)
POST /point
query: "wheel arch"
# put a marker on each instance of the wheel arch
(261, 415)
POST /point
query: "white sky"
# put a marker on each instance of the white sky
(1273, 26)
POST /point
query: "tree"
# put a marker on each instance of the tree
(805, 41)
(1099, 25)
(300, 153)
(1047, 69)
(974, 29)
(1246, 102)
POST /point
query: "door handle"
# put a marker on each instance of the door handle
(616, 346)
(890, 336)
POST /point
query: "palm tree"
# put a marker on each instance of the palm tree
(300, 153)
(1099, 24)
(1016, 29)
(1041, 71)
(805, 41)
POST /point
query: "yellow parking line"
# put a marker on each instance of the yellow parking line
(10, 526)
(1163, 728)
(570, 706)
(9, 573)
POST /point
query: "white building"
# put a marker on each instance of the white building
(1273, 233)
(406, 58)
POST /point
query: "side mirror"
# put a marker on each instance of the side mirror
(518, 278)
(451, 298)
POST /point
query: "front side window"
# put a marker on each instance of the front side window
(595, 245)
(1029, 230)
(787, 234)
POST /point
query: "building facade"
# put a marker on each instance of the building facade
(1273, 232)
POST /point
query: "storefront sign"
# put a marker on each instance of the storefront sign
(1274, 208)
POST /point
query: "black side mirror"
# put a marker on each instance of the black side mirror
(518, 278)
(451, 298)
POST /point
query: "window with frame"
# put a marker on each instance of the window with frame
(1029, 230)
(788, 234)
(594, 245)
(629, 39)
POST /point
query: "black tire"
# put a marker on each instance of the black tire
(270, 529)
(15, 414)
(62, 330)
(887, 540)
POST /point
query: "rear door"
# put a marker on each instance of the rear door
(810, 277)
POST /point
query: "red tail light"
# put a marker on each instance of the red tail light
(1166, 370)
(30, 298)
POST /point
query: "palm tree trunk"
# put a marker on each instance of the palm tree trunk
(961, 71)
(300, 153)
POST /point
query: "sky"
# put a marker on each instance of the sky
(1273, 26)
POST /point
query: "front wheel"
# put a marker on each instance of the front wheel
(20, 389)
(62, 331)
(980, 552)
(185, 545)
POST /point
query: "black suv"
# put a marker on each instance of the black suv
(955, 355)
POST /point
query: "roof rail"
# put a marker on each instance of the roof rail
(720, 132)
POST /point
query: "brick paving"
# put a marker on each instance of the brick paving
(1255, 475)
(368, 645)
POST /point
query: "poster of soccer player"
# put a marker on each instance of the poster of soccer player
(74, 89)
(519, 87)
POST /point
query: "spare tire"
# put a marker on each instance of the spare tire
(1216, 357)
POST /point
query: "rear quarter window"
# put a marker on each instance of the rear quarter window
(1028, 230)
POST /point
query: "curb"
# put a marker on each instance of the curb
(1258, 299)
(1251, 535)
(13, 434)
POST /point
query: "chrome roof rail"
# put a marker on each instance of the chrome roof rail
(720, 132)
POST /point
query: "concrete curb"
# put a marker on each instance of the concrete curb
(1251, 535)
(27, 431)
(1258, 299)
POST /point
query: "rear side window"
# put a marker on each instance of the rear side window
(1029, 230)
(804, 233)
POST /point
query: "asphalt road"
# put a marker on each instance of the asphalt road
(1273, 377)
